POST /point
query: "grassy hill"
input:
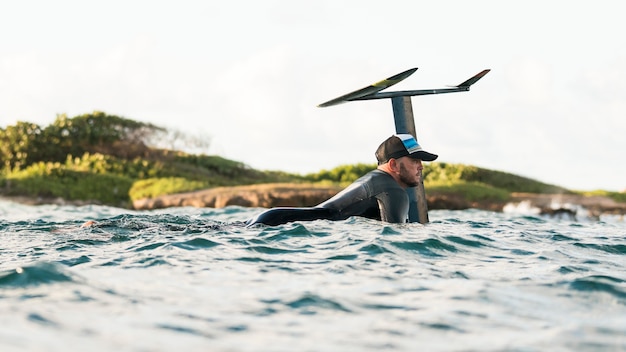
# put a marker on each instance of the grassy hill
(106, 159)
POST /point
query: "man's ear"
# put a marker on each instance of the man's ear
(393, 165)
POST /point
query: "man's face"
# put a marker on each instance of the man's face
(410, 171)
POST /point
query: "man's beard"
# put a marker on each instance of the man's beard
(406, 179)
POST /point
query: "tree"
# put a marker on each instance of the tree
(26, 143)
(98, 133)
(20, 145)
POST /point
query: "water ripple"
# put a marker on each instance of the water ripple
(35, 275)
(430, 247)
(609, 248)
(198, 279)
(601, 283)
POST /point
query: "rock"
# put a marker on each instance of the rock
(568, 204)
(263, 196)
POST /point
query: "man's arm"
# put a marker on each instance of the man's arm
(394, 205)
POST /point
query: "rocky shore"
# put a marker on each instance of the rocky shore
(264, 196)
(304, 195)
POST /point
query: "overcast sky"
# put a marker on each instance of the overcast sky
(248, 75)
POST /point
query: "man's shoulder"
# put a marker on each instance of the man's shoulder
(380, 181)
(377, 173)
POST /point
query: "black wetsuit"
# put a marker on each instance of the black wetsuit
(375, 195)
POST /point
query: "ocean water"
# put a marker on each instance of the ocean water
(196, 279)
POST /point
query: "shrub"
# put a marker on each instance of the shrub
(341, 174)
(154, 187)
(471, 191)
(53, 180)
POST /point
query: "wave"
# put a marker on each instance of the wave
(44, 273)
(601, 283)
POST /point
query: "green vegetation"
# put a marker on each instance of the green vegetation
(481, 184)
(616, 196)
(470, 191)
(107, 159)
(344, 174)
(111, 160)
(473, 183)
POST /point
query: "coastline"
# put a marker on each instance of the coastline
(305, 195)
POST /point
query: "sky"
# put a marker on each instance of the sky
(247, 77)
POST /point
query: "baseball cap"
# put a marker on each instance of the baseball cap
(400, 145)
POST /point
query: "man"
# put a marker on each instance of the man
(380, 194)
